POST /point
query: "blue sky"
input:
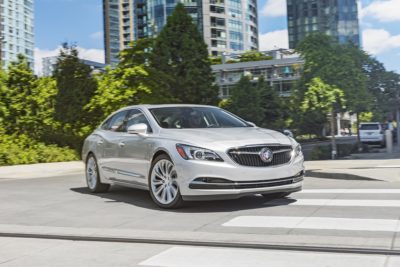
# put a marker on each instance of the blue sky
(80, 21)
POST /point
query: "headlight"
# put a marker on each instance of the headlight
(297, 150)
(196, 153)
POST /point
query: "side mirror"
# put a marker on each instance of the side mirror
(251, 123)
(140, 128)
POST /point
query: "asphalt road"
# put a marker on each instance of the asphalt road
(56, 222)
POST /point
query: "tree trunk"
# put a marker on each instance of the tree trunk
(333, 137)
(358, 132)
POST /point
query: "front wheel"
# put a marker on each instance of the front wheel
(164, 189)
(93, 176)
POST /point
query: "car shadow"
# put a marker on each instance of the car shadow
(141, 198)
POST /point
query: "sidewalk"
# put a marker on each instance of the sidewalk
(41, 170)
(357, 169)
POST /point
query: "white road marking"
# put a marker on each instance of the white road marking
(350, 191)
(218, 257)
(340, 202)
(319, 223)
(388, 166)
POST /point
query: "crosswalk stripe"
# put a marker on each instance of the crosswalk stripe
(350, 191)
(339, 202)
(318, 223)
(216, 257)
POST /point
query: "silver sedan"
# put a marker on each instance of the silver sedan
(190, 152)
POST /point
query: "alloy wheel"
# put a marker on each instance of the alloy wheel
(163, 182)
(91, 173)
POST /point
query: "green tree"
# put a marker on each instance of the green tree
(181, 54)
(19, 98)
(338, 65)
(245, 101)
(326, 99)
(139, 56)
(75, 85)
(118, 88)
(274, 109)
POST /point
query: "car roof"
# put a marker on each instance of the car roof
(148, 106)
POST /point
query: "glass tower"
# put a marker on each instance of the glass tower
(226, 25)
(336, 18)
(17, 30)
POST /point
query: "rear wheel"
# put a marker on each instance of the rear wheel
(276, 195)
(93, 176)
(164, 189)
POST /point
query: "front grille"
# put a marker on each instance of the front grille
(249, 155)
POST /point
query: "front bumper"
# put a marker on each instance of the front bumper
(372, 139)
(202, 180)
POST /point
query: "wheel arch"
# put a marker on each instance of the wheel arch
(159, 152)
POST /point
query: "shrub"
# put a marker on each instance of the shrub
(23, 150)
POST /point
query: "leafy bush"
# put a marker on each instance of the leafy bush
(323, 152)
(23, 150)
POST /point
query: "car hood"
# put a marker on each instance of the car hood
(225, 137)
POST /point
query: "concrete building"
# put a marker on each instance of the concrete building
(281, 71)
(227, 25)
(16, 30)
(337, 18)
(49, 64)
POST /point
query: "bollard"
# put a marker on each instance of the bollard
(389, 141)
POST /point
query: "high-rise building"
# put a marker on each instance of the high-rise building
(50, 64)
(17, 30)
(336, 18)
(227, 25)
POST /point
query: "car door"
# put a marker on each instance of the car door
(111, 134)
(134, 153)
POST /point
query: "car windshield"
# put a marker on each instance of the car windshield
(369, 127)
(195, 117)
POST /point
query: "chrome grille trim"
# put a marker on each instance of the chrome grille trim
(250, 155)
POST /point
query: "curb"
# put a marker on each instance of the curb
(263, 246)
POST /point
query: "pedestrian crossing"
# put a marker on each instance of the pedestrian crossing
(340, 203)
(315, 223)
(224, 257)
(350, 191)
(357, 212)
(359, 198)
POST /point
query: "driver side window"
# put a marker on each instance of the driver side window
(135, 117)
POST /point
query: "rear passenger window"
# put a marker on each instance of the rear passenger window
(369, 127)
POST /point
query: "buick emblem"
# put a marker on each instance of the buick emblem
(266, 155)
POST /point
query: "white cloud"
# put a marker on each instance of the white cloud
(382, 10)
(97, 35)
(274, 8)
(378, 41)
(84, 53)
(273, 40)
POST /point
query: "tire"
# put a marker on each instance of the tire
(163, 187)
(93, 176)
(275, 195)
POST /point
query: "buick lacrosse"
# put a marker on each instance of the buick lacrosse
(190, 152)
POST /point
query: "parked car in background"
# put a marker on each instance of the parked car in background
(372, 133)
(190, 152)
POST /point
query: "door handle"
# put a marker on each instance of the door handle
(100, 142)
(121, 144)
